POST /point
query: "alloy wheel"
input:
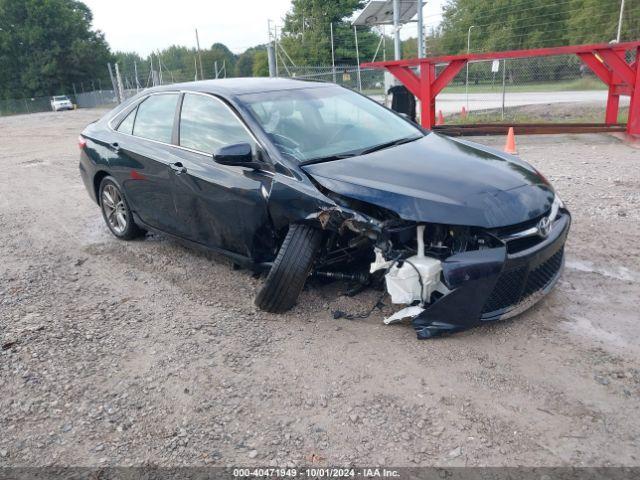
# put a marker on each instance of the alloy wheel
(114, 209)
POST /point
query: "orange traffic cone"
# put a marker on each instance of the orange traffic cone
(440, 120)
(463, 113)
(510, 146)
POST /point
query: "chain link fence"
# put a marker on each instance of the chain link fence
(92, 99)
(526, 90)
(556, 89)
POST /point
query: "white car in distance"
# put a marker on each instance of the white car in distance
(61, 102)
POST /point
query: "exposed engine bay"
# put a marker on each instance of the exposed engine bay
(420, 264)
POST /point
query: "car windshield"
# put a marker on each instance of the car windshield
(62, 98)
(327, 123)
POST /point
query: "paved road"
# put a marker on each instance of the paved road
(453, 102)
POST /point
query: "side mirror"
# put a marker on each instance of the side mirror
(238, 154)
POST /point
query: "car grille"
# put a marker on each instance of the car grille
(514, 286)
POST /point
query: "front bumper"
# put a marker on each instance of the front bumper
(491, 284)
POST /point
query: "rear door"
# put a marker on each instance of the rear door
(219, 206)
(145, 159)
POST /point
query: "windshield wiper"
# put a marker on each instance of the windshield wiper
(329, 158)
(375, 148)
(382, 146)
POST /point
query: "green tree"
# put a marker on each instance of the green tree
(501, 25)
(410, 48)
(244, 65)
(595, 21)
(218, 53)
(507, 25)
(306, 34)
(260, 64)
(47, 45)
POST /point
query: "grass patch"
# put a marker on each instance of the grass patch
(585, 83)
(553, 113)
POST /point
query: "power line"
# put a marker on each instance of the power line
(516, 8)
(531, 25)
(554, 21)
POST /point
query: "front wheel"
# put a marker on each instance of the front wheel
(116, 212)
(290, 269)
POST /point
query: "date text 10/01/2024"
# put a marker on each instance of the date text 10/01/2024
(316, 472)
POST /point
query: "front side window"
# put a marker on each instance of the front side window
(314, 123)
(155, 117)
(206, 124)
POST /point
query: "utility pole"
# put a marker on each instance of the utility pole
(120, 85)
(421, 52)
(159, 67)
(135, 69)
(396, 30)
(384, 44)
(620, 21)
(466, 83)
(275, 46)
(271, 60)
(153, 73)
(270, 51)
(333, 55)
(355, 34)
(199, 55)
(113, 80)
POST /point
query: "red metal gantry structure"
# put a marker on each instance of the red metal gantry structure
(607, 61)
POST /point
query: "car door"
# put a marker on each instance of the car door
(145, 160)
(219, 206)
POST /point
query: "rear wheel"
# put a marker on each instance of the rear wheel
(290, 269)
(116, 212)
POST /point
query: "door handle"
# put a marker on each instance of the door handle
(115, 147)
(178, 168)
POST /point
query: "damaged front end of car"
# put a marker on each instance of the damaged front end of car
(449, 277)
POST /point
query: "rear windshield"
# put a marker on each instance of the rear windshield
(61, 98)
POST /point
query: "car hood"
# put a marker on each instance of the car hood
(438, 179)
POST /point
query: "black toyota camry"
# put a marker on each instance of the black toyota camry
(303, 179)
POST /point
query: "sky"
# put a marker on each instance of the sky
(148, 25)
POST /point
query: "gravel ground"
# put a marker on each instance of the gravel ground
(127, 353)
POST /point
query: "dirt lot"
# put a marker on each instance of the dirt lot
(119, 353)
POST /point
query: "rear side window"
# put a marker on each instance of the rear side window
(126, 126)
(155, 117)
(206, 124)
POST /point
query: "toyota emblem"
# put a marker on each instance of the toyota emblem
(544, 227)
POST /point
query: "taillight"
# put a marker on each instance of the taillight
(82, 142)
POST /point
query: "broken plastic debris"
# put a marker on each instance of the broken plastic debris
(380, 263)
(404, 313)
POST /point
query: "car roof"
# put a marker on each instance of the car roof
(241, 86)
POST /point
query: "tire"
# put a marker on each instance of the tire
(116, 211)
(290, 269)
